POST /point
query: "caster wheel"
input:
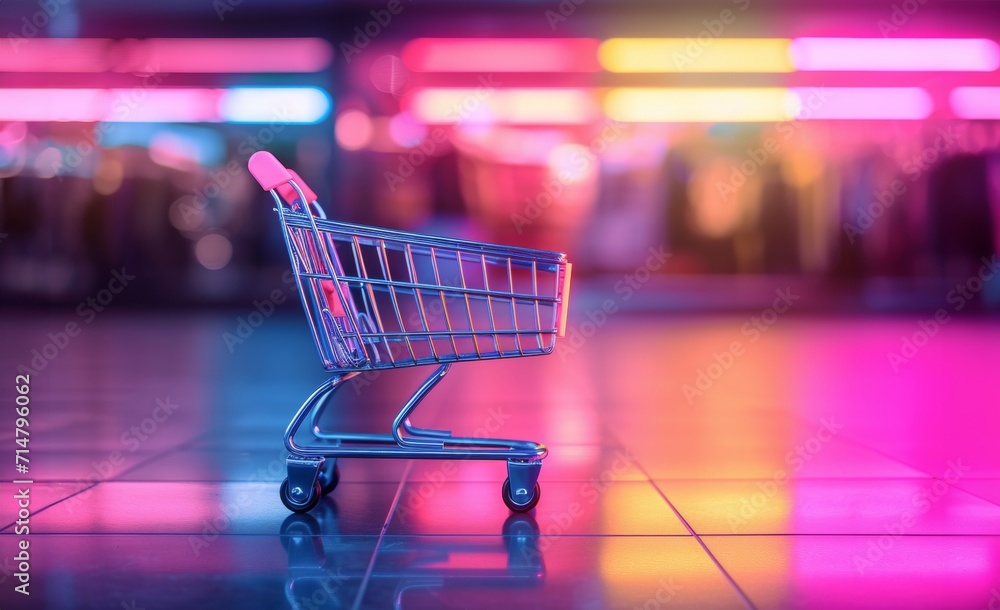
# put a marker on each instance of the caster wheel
(328, 479)
(519, 508)
(300, 507)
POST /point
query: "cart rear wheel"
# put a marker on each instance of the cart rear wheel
(297, 506)
(508, 498)
(328, 479)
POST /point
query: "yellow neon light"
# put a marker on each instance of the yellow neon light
(701, 105)
(768, 55)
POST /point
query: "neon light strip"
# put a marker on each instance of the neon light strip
(564, 306)
(274, 104)
(904, 103)
(766, 104)
(168, 55)
(166, 105)
(518, 106)
(484, 55)
(976, 102)
(895, 54)
(657, 55)
(698, 105)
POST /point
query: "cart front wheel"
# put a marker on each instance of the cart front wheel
(508, 498)
(300, 506)
(328, 479)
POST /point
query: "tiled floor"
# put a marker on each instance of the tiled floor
(806, 473)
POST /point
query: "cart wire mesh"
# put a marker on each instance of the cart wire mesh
(396, 299)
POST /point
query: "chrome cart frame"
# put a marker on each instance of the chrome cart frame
(379, 299)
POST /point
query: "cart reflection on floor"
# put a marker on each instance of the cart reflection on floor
(411, 566)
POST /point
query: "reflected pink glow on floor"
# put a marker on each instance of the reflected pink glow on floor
(814, 472)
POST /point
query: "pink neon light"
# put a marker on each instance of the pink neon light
(223, 55)
(502, 55)
(976, 102)
(165, 105)
(169, 55)
(863, 103)
(52, 104)
(56, 55)
(508, 106)
(895, 54)
(120, 105)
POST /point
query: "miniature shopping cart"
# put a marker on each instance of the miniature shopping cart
(381, 299)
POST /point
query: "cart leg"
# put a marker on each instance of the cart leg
(329, 475)
(521, 491)
(422, 437)
(313, 406)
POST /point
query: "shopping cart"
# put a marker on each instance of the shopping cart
(380, 299)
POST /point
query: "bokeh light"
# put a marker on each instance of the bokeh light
(389, 75)
(353, 129)
(213, 251)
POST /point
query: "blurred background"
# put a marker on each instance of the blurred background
(708, 165)
(851, 150)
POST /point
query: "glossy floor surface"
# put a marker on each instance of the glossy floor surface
(693, 464)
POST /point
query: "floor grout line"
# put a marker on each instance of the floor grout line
(725, 573)
(848, 439)
(141, 463)
(381, 536)
(739, 590)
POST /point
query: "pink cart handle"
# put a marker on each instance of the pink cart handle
(288, 193)
(333, 300)
(268, 171)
